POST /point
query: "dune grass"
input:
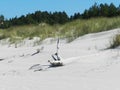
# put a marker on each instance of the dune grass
(70, 30)
(116, 42)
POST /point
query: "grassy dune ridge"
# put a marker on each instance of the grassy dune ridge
(69, 30)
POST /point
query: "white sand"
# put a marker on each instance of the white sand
(87, 66)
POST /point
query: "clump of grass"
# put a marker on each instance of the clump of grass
(116, 41)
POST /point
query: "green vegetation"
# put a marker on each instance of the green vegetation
(116, 41)
(80, 27)
(70, 30)
(47, 24)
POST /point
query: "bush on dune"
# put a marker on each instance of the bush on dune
(116, 41)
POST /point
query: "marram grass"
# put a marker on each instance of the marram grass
(116, 41)
(70, 30)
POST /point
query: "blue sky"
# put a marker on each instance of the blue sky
(12, 8)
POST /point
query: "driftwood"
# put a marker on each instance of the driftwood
(55, 63)
(38, 51)
(2, 59)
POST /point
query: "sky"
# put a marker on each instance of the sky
(12, 8)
